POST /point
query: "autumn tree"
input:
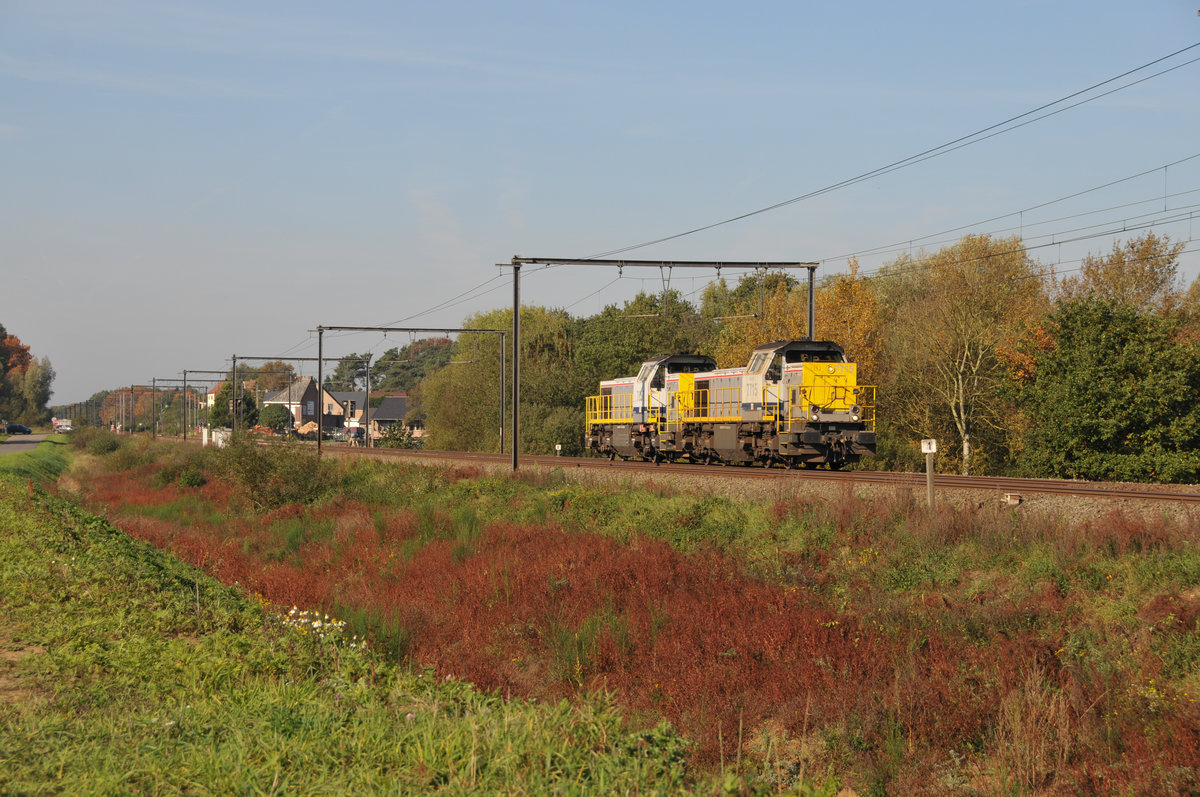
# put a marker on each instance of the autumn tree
(25, 382)
(946, 315)
(848, 313)
(274, 375)
(1142, 273)
(777, 310)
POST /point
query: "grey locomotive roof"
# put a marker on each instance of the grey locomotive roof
(800, 345)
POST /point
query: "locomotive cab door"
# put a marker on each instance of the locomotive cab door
(773, 391)
(649, 392)
(752, 386)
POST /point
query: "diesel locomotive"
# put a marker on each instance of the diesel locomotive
(797, 403)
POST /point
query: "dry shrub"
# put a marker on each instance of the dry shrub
(1173, 612)
(460, 473)
(1033, 739)
(1118, 534)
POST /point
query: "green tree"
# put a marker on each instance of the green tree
(276, 416)
(616, 341)
(1110, 393)
(718, 300)
(461, 400)
(351, 371)
(222, 415)
(31, 391)
(398, 436)
(403, 369)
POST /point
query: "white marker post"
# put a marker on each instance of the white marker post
(929, 448)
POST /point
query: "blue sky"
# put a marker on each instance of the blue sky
(185, 181)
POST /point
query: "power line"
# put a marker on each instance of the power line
(901, 245)
(942, 149)
(453, 301)
(926, 263)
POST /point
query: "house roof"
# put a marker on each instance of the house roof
(291, 394)
(392, 408)
(344, 397)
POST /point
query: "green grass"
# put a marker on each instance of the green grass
(134, 673)
(48, 461)
(1081, 597)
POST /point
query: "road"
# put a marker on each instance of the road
(20, 442)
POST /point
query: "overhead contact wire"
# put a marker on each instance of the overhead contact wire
(942, 149)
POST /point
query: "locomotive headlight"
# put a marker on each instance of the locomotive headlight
(855, 412)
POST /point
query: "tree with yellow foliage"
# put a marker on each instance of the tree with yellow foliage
(848, 314)
(1142, 273)
(947, 314)
(780, 314)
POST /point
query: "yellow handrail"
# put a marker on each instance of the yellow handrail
(723, 405)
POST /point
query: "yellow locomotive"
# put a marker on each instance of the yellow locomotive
(797, 402)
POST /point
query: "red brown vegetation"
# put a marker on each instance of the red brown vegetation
(539, 611)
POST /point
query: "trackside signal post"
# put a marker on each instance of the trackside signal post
(929, 449)
(664, 267)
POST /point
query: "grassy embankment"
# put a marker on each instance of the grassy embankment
(794, 641)
(123, 670)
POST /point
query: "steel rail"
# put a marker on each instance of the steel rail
(996, 484)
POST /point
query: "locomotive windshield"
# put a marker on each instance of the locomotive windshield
(687, 368)
(815, 357)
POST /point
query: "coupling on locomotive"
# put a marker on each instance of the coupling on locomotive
(796, 403)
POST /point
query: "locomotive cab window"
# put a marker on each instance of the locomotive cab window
(657, 382)
(815, 357)
(775, 371)
(687, 368)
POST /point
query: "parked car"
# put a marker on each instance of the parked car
(62, 427)
(17, 428)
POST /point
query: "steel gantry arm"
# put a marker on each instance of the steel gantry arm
(518, 261)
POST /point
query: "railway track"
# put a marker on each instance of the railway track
(1000, 485)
